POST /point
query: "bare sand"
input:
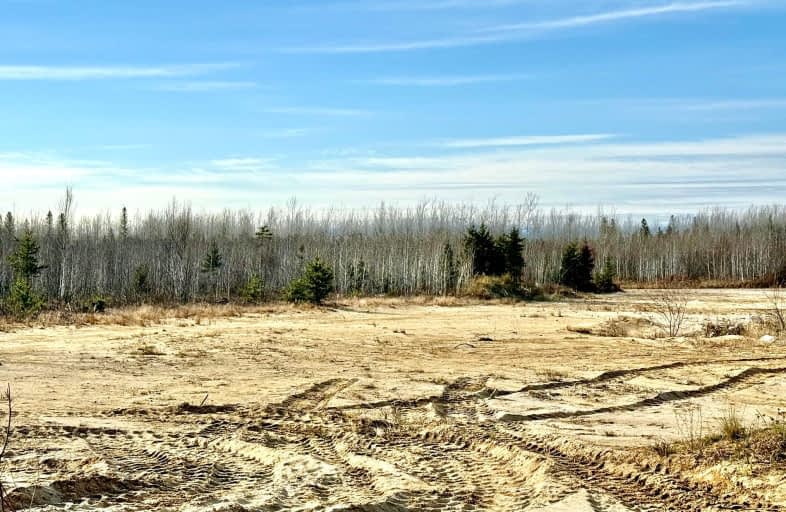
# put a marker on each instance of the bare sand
(384, 405)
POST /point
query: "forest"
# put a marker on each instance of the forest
(178, 255)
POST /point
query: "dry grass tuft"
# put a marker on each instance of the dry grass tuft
(731, 426)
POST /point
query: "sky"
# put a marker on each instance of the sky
(643, 106)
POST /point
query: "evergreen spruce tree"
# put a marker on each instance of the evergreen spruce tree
(586, 268)
(569, 268)
(124, 224)
(512, 249)
(672, 229)
(577, 266)
(212, 263)
(50, 224)
(483, 251)
(23, 301)
(604, 282)
(449, 269)
(24, 260)
(141, 280)
(9, 226)
(253, 292)
(314, 285)
(263, 236)
(644, 231)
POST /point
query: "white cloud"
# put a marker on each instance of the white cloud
(665, 176)
(64, 73)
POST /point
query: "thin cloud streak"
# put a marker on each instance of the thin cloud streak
(446, 80)
(69, 73)
(426, 5)
(607, 17)
(526, 140)
(520, 31)
(319, 111)
(206, 86)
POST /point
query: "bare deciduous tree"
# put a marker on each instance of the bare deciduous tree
(401, 248)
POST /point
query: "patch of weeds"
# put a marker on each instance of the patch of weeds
(731, 426)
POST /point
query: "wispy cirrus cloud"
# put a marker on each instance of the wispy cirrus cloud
(425, 5)
(206, 86)
(618, 15)
(243, 164)
(525, 140)
(744, 104)
(65, 73)
(523, 30)
(319, 111)
(447, 80)
(287, 133)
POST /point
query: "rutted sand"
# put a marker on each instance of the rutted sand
(383, 405)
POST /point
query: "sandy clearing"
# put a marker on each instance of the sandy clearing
(382, 405)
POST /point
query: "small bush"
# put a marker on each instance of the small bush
(313, 286)
(494, 287)
(141, 280)
(98, 305)
(95, 304)
(253, 292)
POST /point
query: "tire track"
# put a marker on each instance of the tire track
(657, 400)
(493, 392)
(299, 454)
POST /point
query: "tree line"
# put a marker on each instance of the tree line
(177, 255)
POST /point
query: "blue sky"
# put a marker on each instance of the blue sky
(647, 106)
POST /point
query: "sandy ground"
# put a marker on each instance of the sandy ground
(390, 406)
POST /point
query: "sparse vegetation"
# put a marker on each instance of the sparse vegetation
(670, 307)
(777, 308)
(764, 443)
(724, 327)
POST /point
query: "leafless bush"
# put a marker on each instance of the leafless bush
(723, 327)
(690, 425)
(670, 307)
(777, 308)
(5, 501)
